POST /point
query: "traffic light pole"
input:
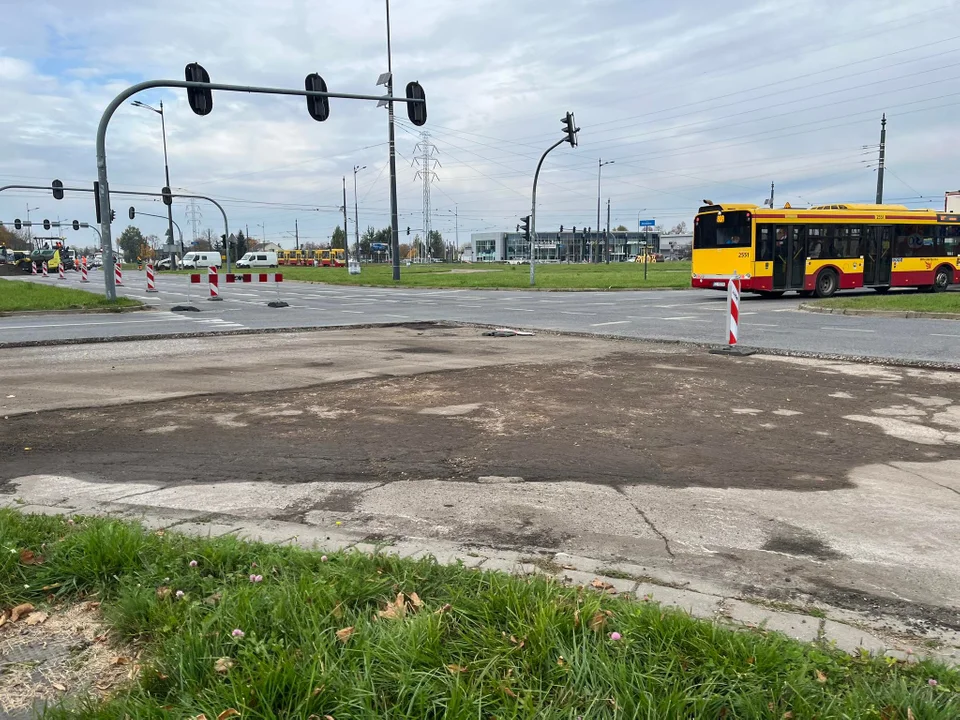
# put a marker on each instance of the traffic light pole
(533, 210)
(111, 290)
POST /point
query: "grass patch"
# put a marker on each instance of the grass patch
(318, 638)
(20, 295)
(908, 301)
(480, 275)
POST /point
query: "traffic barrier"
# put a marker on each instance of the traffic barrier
(33, 268)
(60, 269)
(151, 284)
(214, 283)
(45, 268)
(118, 275)
(733, 310)
(83, 271)
(249, 277)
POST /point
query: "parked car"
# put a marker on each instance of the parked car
(202, 258)
(259, 259)
(165, 264)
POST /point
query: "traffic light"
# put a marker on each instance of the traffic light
(132, 212)
(113, 215)
(57, 190)
(167, 196)
(574, 229)
(317, 105)
(96, 200)
(570, 128)
(17, 225)
(46, 224)
(200, 99)
(408, 229)
(76, 224)
(525, 226)
(561, 228)
(416, 111)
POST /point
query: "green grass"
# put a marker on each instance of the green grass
(904, 300)
(482, 645)
(487, 275)
(20, 295)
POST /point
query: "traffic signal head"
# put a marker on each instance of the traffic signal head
(574, 229)
(113, 215)
(167, 196)
(57, 190)
(17, 225)
(76, 224)
(317, 105)
(46, 224)
(200, 99)
(525, 226)
(561, 228)
(416, 111)
(408, 229)
(132, 212)
(570, 128)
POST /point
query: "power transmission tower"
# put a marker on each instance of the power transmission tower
(427, 163)
(195, 217)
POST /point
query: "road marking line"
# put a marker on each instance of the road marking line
(353, 312)
(402, 317)
(518, 309)
(108, 322)
(612, 322)
(683, 317)
(469, 306)
(842, 329)
(574, 312)
(943, 335)
(755, 324)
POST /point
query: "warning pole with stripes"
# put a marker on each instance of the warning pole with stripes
(733, 310)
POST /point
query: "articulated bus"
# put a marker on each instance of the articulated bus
(826, 248)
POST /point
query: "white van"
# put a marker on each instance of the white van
(202, 259)
(258, 259)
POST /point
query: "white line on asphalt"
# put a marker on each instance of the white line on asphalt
(612, 322)
(518, 309)
(353, 312)
(550, 301)
(85, 324)
(943, 335)
(601, 303)
(574, 312)
(682, 317)
(402, 317)
(784, 310)
(755, 324)
(468, 306)
(843, 329)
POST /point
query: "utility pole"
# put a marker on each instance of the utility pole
(771, 196)
(346, 245)
(394, 220)
(606, 235)
(356, 210)
(883, 152)
(595, 256)
(296, 232)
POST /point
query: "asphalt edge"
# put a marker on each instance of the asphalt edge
(808, 307)
(80, 311)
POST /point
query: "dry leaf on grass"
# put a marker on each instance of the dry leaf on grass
(163, 592)
(416, 601)
(445, 609)
(910, 715)
(821, 677)
(20, 611)
(223, 665)
(4, 618)
(344, 635)
(58, 686)
(509, 692)
(29, 557)
(201, 716)
(121, 660)
(36, 618)
(228, 713)
(213, 599)
(455, 669)
(394, 610)
(598, 621)
(601, 585)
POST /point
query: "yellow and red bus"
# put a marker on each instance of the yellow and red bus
(292, 257)
(825, 248)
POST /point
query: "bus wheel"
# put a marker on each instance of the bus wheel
(883, 290)
(941, 281)
(826, 284)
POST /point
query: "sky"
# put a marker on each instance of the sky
(687, 101)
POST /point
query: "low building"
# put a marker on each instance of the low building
(563, 247)
(267, 247)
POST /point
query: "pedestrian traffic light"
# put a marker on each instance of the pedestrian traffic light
(167, 196)
(57, 190)
(570, 128)
(416, 111)
(17, 225)
(132, 212)
(46, 224)
(76, 224)
(317, 105)
(525, 226)
(113, 215)
(200, 99)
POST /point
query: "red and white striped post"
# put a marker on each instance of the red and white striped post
(33, 268)
(60, 269)
(83, 271)
(117, 274)
(45, 268)
(214, 283)
(151, 283)
(733, 310)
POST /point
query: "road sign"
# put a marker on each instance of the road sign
(648, 223)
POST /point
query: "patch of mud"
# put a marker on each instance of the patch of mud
(921, 618)
(67, 655)
(792, 540)
(422, 350)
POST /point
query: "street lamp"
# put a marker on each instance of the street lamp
(166, 170)
(356, 211)
(600, 165)
(29, 225)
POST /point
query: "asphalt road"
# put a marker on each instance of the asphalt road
(693, 316)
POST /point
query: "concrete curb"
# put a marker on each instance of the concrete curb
(808, 307)
(828, 626)
(498, 289)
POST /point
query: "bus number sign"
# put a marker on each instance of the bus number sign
(879, 217)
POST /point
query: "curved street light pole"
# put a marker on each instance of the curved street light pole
(595, 256)
(166, 171)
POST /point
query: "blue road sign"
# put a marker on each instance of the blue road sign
(648, 223)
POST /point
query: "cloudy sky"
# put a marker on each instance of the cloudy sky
(688, 100)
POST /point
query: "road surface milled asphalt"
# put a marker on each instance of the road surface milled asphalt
(690, 316)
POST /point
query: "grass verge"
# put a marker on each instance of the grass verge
(280, 632)
(21, 295)
(481, 275)
(907, 301)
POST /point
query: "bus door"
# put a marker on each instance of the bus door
(789, 257)
(877, 255)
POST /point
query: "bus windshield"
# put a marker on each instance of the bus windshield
(733, 232)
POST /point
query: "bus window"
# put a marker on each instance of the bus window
(951, 239)
(733, 232)
(918, 241)
(764, 243)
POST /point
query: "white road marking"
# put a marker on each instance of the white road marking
(842, 329)
(683, 317)
(469, 306)
(85, 324)
(612, 322)
(574, 312)
(353, 312)
(943, 335)
(756, 324)
(401, 317)
(518, 309)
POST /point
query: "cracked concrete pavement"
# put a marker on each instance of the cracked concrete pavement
(798, 484)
